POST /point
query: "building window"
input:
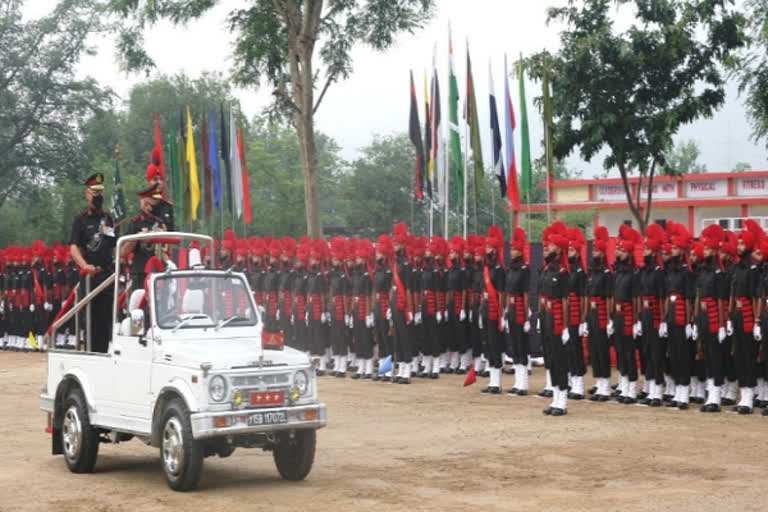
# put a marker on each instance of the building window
(662, 223)
(628, 223)
(739, 223)
(723, 223)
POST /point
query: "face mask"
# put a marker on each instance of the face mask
(573, 259)
(428, 260)
(156, 210)
(648, 260)
(597, 259)
(97, 202)
(549, 258)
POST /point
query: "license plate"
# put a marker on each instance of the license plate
(267, 418)
(267, 398)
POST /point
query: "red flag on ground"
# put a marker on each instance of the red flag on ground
(471, 377)
(244, 173)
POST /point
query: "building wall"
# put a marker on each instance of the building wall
(709, 212)
(571, 194)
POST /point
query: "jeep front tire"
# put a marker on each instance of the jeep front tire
(180, 455)
(294, 456)
(79, 440)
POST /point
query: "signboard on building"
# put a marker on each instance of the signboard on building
(664, 190)
(706, 188)
(751, 187)
(610, 192)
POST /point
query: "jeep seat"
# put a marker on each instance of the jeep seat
(192, 302)
(137, 297)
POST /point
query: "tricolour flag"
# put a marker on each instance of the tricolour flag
(194, 184)
(246, 181)
(474, 129)
(213, 158)
(513, 193)
(498, 160)
(427, 138)
(414, 133)
(225, 156)
(234, 162)
(453, 117)
(525, 151)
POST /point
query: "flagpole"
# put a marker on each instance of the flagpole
(493, 206)
(446, 195)
(466, 169)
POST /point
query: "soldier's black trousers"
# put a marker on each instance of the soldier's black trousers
(339, 337)
(317, 337)
(300, 335)
(599, 351)
(383, 337)
(456, 334)
(433, 342)
(518, 347)
(495, 343)
(745, 351)
(654, 348)
(576, 366)
(403, 344)
(476, 334)
(679, 354)
(363, 339)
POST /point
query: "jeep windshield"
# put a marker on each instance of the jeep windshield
(202, 300)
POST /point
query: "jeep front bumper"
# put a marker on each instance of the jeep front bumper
(256, 421)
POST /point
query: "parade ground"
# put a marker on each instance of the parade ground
(432, 445)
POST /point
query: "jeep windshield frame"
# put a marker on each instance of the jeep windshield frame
(202, 299)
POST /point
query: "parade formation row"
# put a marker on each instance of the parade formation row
(684, 315)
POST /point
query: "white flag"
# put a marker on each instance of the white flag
(234, 158)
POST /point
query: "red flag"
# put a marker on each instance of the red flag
(159, 146)
(244, 174)
(471, 377)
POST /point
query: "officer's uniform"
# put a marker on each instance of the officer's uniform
(625, 289)
(142, 223)
(599, 293)
(361, 290)
(338, 286)
(744, 290)
(552, 315)
(516, 288)
(652, 290)
(93, 232)
(709, 285)
(678, 287)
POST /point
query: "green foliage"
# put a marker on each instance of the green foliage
(753, 72)
(683, 159)
(629, 92)
(42, 106)
(742, 166)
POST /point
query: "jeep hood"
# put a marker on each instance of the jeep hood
(226, 354)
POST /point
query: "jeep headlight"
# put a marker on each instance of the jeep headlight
(217, 388)
(301, 382)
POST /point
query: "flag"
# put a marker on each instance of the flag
(386, 365)
(525, 156)
(234, 162)
(498, 160)
(414, 132)
(427, 138)
(546, 101)
(173, 159)
(225, 156)
(118, 196)
(246, 182)
(159, 146)
(184, 167)
(207, 174)
(453, 115)
(434, 119)
(32, 341)
(513, 193)
(471, 377)
(474, 129)
(194, 186)
(213, 159)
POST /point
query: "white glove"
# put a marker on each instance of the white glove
(408, 317)
(688, 331)
(170, 265)
(462, 315)
(609, 328)
(327, 319)
(695, 332)
(445, 316)
(505, 325)
(277, 314)
(480, 321)
(581, 330)
(417, 318)
(757, 332)
(293, 319)
(261, 310)
(47, 306)
(586, 329)
(348, 321)
(565, 336)
(31, 308)
(729, 328)
(470, 315)
(2, 307)
(721, 335)
(527, 326)
(663, 330)
(538, 325)
(369, 320)
(306, 317)
(389, 314)
(439, 317)
(639, 327)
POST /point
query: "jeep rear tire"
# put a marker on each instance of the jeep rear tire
(79, 440)
(294, 457)
(181, 457)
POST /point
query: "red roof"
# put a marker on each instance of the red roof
(635, 179)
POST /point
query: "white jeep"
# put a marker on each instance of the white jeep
(195, 378)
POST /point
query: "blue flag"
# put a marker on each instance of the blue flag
(213, 159)
(225, 156)
(386, 365)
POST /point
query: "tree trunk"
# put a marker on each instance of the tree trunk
(306, 133)
(634, 207)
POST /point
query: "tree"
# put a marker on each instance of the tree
(753, 72)
(42, 105)
(742, 166)
(298, 47)
(630, 92)
(683, 159)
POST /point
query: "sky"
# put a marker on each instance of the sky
(376, 97)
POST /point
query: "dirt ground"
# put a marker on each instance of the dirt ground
(432, 445)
